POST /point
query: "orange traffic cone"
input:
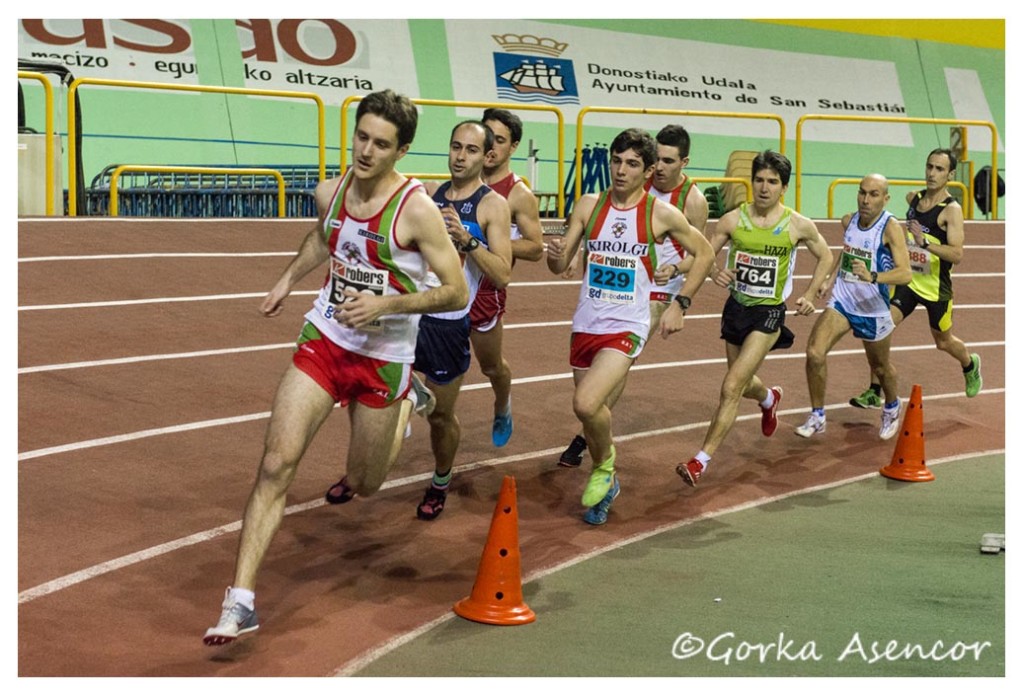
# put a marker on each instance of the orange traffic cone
(497, 596)
(908, 459)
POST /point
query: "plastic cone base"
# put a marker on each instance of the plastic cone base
(495, 612)
(908, 462)
(901, 472)
(497, 596)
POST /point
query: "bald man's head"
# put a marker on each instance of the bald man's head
(872, 198)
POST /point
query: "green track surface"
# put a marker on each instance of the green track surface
(814, 585)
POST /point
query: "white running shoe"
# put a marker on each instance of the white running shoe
(235, 620)
(423, 400)
(814, 424)
(890, 423)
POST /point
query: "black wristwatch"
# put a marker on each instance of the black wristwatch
(925, 243)
(683, 301)
(472, 244)
(874, 276)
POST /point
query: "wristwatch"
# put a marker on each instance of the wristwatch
(925, 243)
(472, 244)
(683, 301)
(874, 276)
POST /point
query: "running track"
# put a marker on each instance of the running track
(145, 376)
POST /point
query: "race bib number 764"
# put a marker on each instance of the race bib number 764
(756, 275)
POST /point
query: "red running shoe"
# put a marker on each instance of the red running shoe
(690, 471)
(769, 418)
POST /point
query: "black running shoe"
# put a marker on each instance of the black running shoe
(432, 504)
(573, 454)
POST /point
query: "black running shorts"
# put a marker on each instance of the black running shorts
(739, 320)
(940, 312)
(442, 348)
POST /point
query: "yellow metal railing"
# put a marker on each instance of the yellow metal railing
(73, 89)
(441, 176)
(798, 165)
(661, 112)
(727, 180)
(160, 169)
(49, 173)
(798, 168)
(472, 105)
(899, 182)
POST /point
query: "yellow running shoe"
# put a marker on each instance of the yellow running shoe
(600, 481)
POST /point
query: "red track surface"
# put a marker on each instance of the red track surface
(339, 581)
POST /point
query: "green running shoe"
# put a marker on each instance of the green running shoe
(972, 378)
(600, 482)
(869, 399)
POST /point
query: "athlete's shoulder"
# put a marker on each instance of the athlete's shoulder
(662, 208)
(585, 206)
(492, 200)
(419, 203)
(731, 218)
(801, 224)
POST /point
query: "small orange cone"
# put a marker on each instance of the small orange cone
(497, 596)
(908, 459)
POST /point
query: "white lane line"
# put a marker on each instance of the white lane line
(233, 420)
(155, 300)
(149, 358)
(163, 255)
(252, 295)
(276, 346)
(356, 664)
(80, 576)
(128, 220)
(255, 254)
(140, 435)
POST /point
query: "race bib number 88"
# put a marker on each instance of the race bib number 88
(920, 260)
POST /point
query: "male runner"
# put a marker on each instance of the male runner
(935, 225)
(670, 184)
(874, 256)
(477, 220)
(620, 228)
(527, 243)
(380, 232)
(763, 237)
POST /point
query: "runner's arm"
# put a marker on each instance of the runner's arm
(526, 215)
(311, 254)
(826, 264)
(691, 239)
(561, 250)
(953, 250)
(494, 258)
(896, 240)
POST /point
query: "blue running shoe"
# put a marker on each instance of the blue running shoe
(501, 430)
(598, 514)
